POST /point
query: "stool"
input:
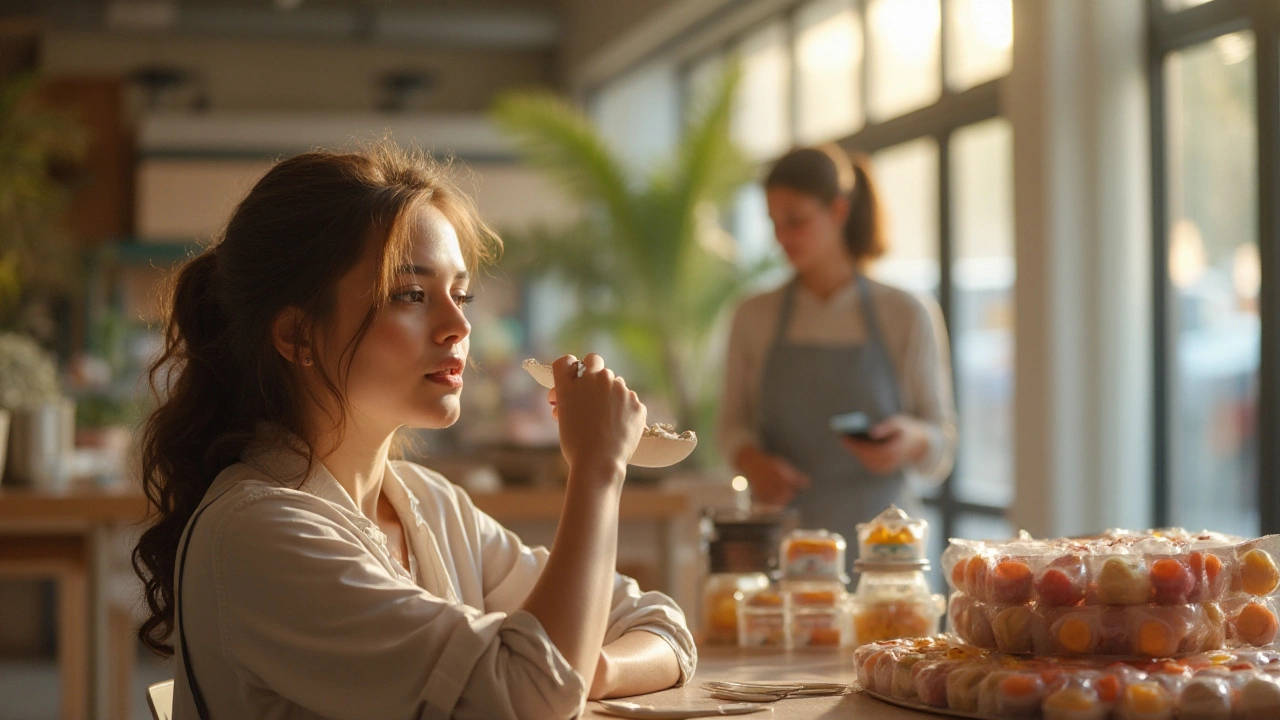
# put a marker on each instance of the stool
(64, 559)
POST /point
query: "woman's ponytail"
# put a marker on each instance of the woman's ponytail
(864, 230)
(194, 398)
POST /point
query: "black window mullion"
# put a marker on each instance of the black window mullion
(1161, 345)
(1266, 22)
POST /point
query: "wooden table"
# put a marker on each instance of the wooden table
(66, 537)
(716, 663)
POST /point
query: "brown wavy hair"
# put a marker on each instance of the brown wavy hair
(826, 172)
(301, 227)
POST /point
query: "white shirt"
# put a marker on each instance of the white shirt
(913, 333)
(294, 607)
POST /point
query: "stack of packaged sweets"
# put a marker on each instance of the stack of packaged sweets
(806, 608)
(1151, 625)
(1122, 594)
(893, 599)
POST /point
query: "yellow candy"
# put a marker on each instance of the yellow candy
(1258, 573)
(1075, 635)
(1145, 697)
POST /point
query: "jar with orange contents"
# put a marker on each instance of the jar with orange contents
(893, 599)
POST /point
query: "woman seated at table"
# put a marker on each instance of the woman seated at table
(320, 577)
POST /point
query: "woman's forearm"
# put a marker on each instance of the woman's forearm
(571, 598)
(638, 662)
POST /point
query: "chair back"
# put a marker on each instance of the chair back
(160, 700)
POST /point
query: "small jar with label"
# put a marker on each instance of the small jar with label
(813, 556)
(816, 615)
(762, 619)
(892, 599)
(721, 593)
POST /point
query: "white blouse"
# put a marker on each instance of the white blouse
(294, 607)
(913, 333)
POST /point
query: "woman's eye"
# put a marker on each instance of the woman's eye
(462, 299)
(411, 296)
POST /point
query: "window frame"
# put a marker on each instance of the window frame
(1170, 31)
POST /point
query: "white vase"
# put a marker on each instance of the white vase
(41, 440)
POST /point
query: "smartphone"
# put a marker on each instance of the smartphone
(853, 424)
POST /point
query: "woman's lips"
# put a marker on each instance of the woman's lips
(448, 378)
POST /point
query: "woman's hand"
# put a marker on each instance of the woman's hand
(601, 420)
(895, 442)
(774, 481)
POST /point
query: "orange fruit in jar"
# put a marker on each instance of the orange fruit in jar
(724, 614)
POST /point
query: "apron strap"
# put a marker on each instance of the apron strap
(875, 339)
(784, 313)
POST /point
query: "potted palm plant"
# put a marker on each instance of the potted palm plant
(38, 149)
(649, 263)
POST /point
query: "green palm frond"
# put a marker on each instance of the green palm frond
(643, 261)
(559, 140)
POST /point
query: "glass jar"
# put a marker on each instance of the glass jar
(888, 605)
(720, 595)
(762, 619)
(816, 614)
(813, 555)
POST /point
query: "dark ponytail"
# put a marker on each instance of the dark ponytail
(864, 230)
(826, 172)
(301, 228)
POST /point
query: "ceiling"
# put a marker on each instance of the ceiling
(467, 23)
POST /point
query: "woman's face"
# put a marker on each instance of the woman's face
(809, 231)
(407, 369)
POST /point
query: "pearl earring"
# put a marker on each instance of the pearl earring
(306, 360)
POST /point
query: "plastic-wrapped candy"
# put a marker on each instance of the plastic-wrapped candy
(1256, 572)
(1123, 581)
(904, 686)
(1259, 699)
(1012, 627)
(1062, 582)
(962, 687)
(1162, 631)
(1075, 700)
(1019, 694)
(931, 681)
(1253, 623)
(1205, 698)
(1145, 700)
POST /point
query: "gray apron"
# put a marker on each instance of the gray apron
(803, 386)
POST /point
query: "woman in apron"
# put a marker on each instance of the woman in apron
(832, 341)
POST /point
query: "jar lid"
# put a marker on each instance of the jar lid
(892, 538)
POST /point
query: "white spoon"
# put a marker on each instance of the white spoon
(654, 450)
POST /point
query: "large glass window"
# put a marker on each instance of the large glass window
(638, 115)
(979, 41)
(762, 117)
(982, 277)
(1214, 277)
(1215, 109)
(904, 55)
(908, 179)
(828, 70)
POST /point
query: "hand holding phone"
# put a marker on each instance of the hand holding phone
(853, 424)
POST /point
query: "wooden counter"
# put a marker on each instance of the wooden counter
(717, 663)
